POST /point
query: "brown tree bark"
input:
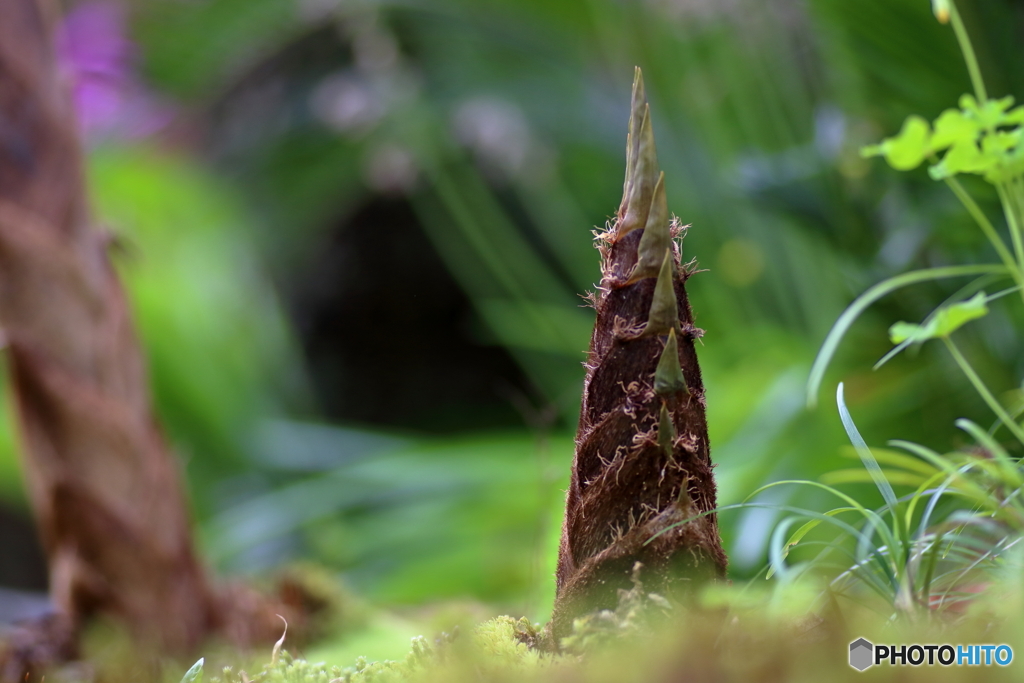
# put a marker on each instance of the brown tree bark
(642, 468)
(102, 481)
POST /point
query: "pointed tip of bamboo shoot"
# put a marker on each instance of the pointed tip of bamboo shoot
(643, 177)
(664, 315)
(636, 115)
(637, 103)
(668, 377)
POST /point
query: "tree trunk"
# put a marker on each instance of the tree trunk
(102, 481)
(642, 467)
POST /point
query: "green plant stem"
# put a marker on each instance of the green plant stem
(968, 50)
(1010, 210)
(996, 407)
(1011, 199)
(1016, 193)
(986, 227)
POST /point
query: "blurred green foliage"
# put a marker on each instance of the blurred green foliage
(502, 126)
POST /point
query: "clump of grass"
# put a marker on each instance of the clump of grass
(934, 549)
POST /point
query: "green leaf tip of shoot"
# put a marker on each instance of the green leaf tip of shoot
(668, 377)
(656, 237)
(643, 179)
(945, 321)
(195, 674)
(636, 115)
(941, 10)
(664, 315)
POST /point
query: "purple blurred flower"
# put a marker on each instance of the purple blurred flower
(110, 100)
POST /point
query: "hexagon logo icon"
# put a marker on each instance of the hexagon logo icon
(862, 654)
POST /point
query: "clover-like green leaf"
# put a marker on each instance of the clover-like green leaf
(1010, 165)
(970, 107)
(1014, 116)
(943, 323)
(952, 127)
(989, 114)
(908, 149)
(963, 157)
(1000, 142)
